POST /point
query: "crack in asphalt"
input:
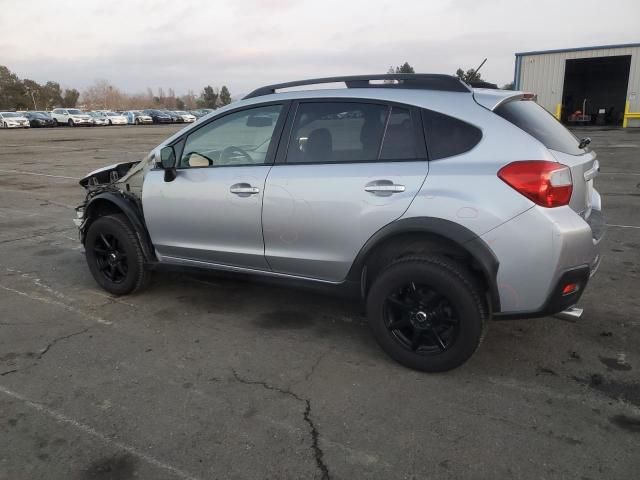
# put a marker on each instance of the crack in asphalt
(57, 339)
(37, 234)
(46, 349)
(318, 454)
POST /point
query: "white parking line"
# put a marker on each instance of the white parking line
(62, 418)
(49, 301)
(621, 226)
(20, 172)
(619, 173)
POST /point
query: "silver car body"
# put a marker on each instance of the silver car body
(311, 220)
(13, 120)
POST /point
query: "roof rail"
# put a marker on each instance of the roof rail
(421, 81)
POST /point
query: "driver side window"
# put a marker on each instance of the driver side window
(240, 138)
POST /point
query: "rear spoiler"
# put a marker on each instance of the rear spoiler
(492, 99)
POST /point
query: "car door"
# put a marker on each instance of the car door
(211, 211)
(349, 168)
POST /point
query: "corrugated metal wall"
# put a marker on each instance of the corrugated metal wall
(543, 74)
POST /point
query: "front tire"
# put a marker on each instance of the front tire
(114, 255)
(71, 124)
(427, 313)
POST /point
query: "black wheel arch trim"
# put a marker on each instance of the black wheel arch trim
(131, 210)
(461, 236)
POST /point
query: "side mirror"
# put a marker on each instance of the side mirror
(168, 161)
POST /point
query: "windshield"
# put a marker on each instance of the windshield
(10, 115)
(112, 114)
(180, 112)
(39, 115)
(540, 124)
(74, 111)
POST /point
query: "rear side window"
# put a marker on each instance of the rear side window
(347, 132)
(540, 124)
(399, 136)
(447, 136)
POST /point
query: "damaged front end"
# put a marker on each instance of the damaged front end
(115, 189)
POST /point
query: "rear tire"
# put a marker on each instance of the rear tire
(114, 255)
(427, 313)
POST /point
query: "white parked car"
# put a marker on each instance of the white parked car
(71, 116)
(136, 117)
(186, 116)
(99, 118)
(13, 120)
(116, 118)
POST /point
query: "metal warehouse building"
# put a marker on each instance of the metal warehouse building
(585, 86)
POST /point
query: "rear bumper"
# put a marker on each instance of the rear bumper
(557, 301)
(540, 252)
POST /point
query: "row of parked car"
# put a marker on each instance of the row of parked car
(74, 117)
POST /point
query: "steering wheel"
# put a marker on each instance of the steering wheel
(232, 152)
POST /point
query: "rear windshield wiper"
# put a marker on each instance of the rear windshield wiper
(584, 142)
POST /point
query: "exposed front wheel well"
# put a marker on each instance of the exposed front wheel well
(99, 208)
(108, 203)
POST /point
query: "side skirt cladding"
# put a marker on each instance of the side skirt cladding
(110, 201)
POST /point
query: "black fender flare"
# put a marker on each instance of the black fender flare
(459, 235)
(133, 213)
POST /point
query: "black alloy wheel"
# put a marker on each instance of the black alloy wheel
(114, 255)
(420, 319)
(111, 257)
(427, 312)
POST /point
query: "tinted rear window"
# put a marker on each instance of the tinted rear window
(540, 124)
(447, 136)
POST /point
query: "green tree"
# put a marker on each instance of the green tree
(225, 96)
(468, 76)
(70, 97)
(404, 68)
(208, 98)
(50, 95)
(32, 93)
(180, 104)
(508, 86)
(11, 89)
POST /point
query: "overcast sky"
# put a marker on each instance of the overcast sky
(247, 43)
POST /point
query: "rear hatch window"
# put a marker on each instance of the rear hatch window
(537, 122)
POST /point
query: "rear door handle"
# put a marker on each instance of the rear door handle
(383, 188)
(243, 189)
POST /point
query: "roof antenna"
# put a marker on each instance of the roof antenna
(475, 72)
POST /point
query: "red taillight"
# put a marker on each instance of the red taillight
(546, 183)
(569, 288)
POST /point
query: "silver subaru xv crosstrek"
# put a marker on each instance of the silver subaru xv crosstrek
(444, 205)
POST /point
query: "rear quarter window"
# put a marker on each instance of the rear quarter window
(540, 124)
(447, 136)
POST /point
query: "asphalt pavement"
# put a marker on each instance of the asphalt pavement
(206, 376)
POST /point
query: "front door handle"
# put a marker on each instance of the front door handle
(243, 189)
(383, 188)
